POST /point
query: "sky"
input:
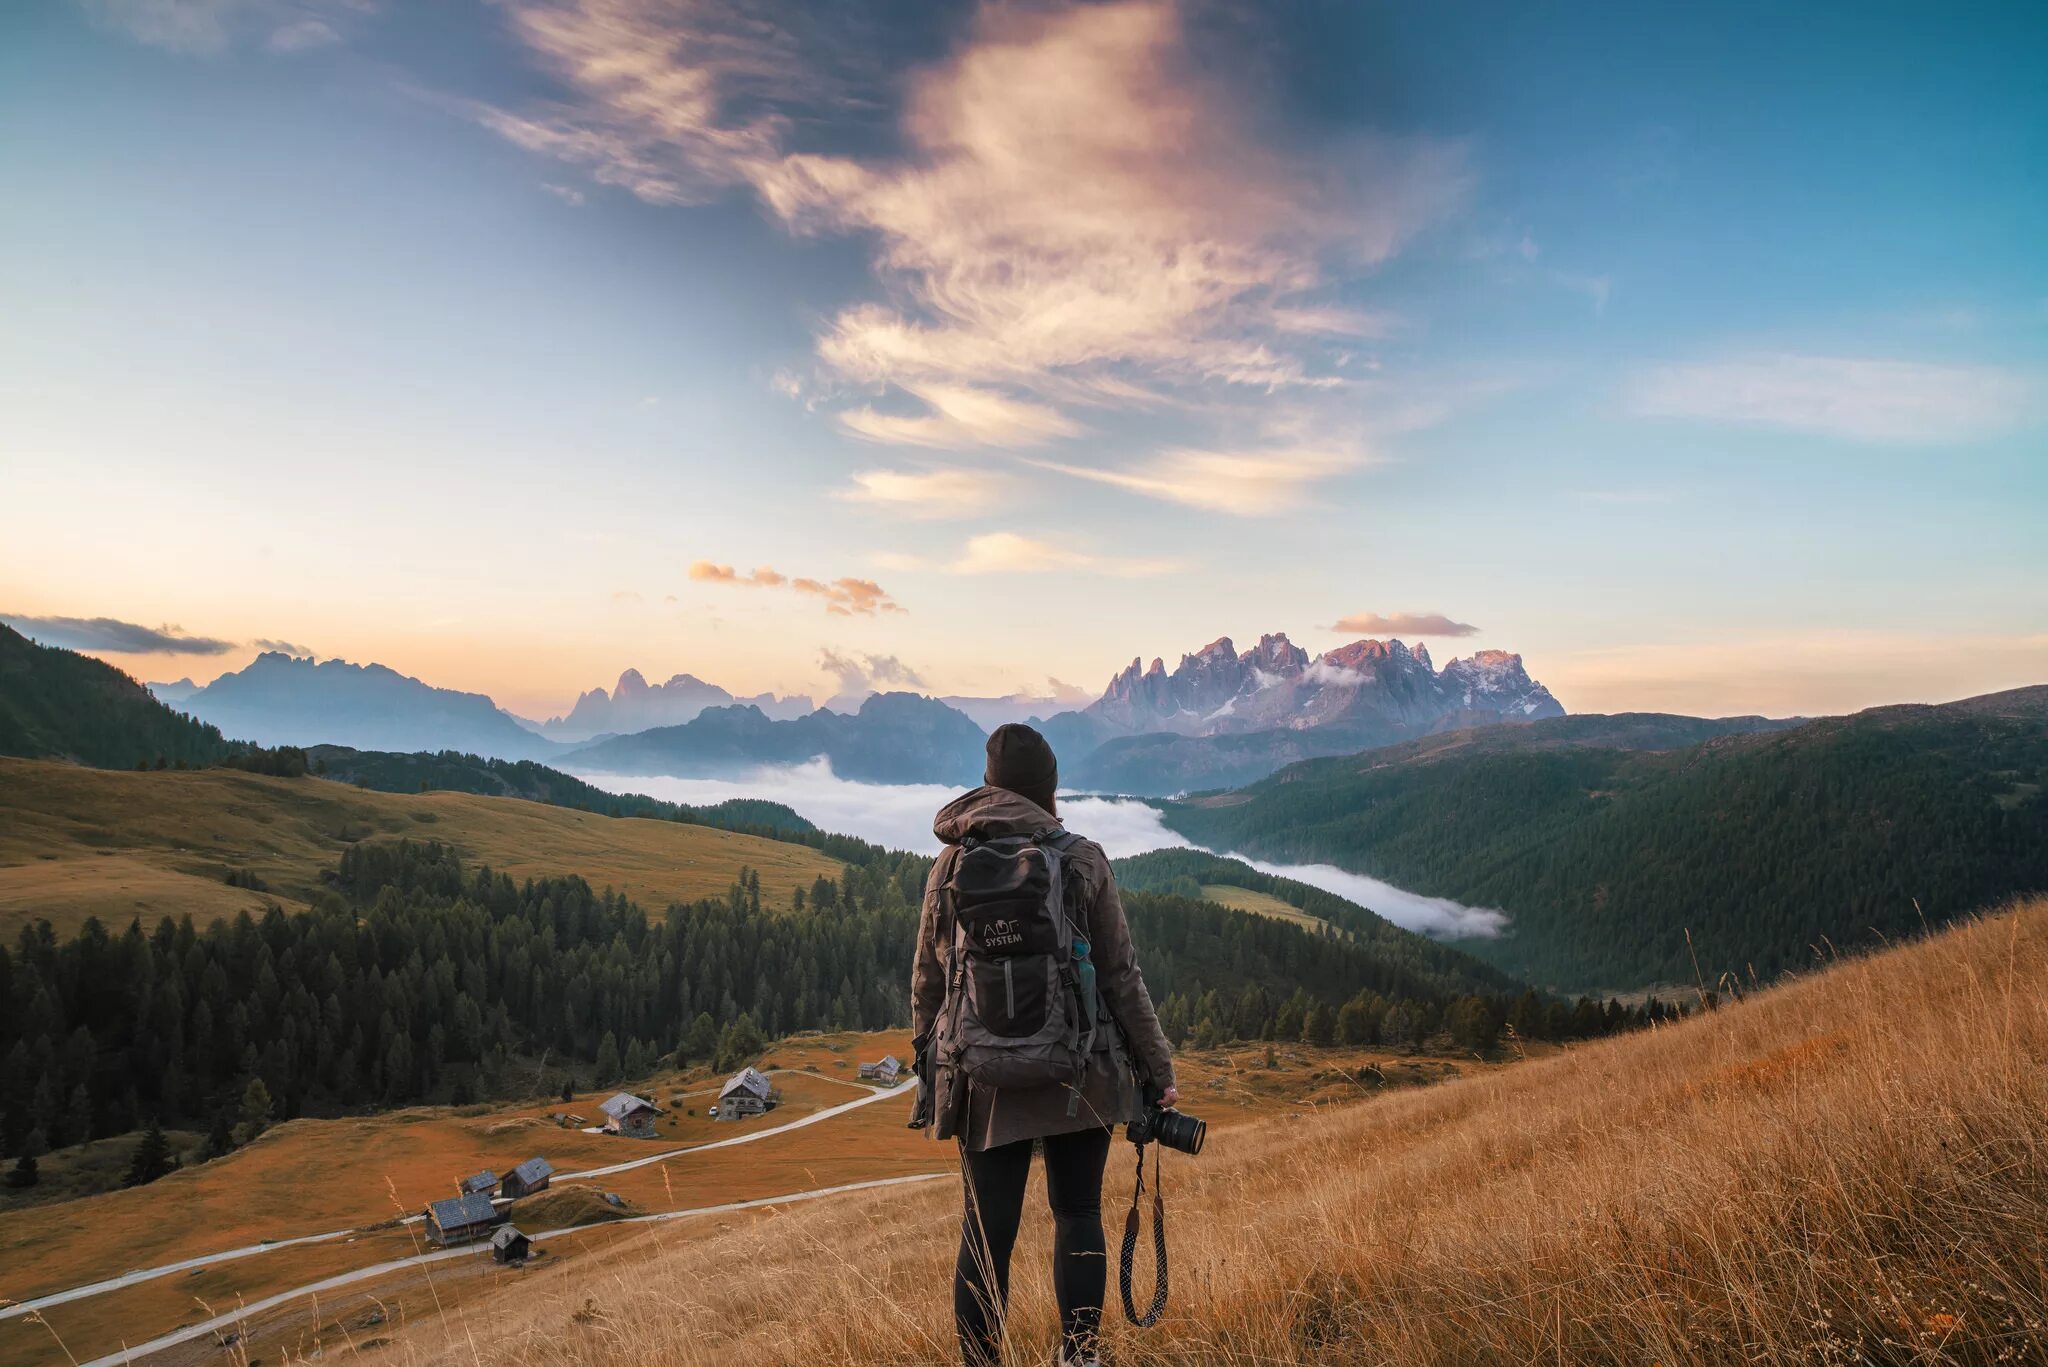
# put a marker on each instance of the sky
(1698, 353)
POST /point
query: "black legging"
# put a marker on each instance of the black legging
(988, 1231)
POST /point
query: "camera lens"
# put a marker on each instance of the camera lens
(1181, 1132)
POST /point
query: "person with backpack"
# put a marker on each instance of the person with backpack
(1032, 1028)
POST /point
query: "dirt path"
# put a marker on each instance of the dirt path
(222, 1322)
(140, 1275)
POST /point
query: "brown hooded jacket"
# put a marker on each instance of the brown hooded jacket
(986, 1117)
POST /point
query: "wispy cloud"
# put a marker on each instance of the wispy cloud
(1403, 624)
(1251, 482)
(927, 493)
(302, 35)
(207, 28)
(287, 647)
(116, 637)
(762, 577)
(1907, 402)
(843, 597)
(1013, 553)
(856, 676)
(1077, 217)
(956, 416)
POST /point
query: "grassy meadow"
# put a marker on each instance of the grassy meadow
(115, 844)
(313, 1176)
(1260, 904)
(1849, 1168)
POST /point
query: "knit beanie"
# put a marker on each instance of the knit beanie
(1021, 761)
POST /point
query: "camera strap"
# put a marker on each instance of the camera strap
(1130, 1250)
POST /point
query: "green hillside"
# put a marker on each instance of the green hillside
(1765, 846)
(58, 704)
(1422, 964)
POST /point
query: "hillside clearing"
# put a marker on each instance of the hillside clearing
(119, 844)
(1852, 1167)
(1260, 904)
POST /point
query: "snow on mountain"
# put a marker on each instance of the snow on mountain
(1217, 691)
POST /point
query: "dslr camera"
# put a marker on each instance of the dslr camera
(1177, 1130)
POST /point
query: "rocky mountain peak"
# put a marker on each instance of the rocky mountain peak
(631, 685)
(1277, 684)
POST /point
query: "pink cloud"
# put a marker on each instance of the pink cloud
(1079, 216)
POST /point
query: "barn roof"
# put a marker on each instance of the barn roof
(482, 1181)
(533, 1169)
(505, 1235)
(747, 1080)
(457, 1211)
(890, 1061)
(624, 1104)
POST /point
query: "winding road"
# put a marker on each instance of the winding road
(220, 1322)
(146, 1274)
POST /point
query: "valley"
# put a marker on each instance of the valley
(417, 976)
(1767, 845)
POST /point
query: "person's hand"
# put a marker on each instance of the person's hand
(1168, 1097)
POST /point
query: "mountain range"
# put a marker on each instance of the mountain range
(637, 705)
(1218, 718)
(1625, 851)
(892, 738)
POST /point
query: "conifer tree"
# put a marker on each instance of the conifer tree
(152, 1158)
(257, 1109)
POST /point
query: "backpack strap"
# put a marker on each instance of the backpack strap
(1079, 970)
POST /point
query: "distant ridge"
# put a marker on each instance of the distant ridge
(281, 700)
(637, 705)
(893, 738)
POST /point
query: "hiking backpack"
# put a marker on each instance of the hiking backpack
(1021, 1008)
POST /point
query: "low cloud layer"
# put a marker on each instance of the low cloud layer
(1904, 402)
(116, 637)
(287, 647)
(900, 817)
(843, 597)
(1402, 624)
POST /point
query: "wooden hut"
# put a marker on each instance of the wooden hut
(461, 1219)
(508, 1245)
(628, 1115)
(485, 1182)
(888, 1072)
(529, 1177)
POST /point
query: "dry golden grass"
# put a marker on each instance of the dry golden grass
(80, 842)
(313, 1176)
(1851, 1168)
(1260, 904)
